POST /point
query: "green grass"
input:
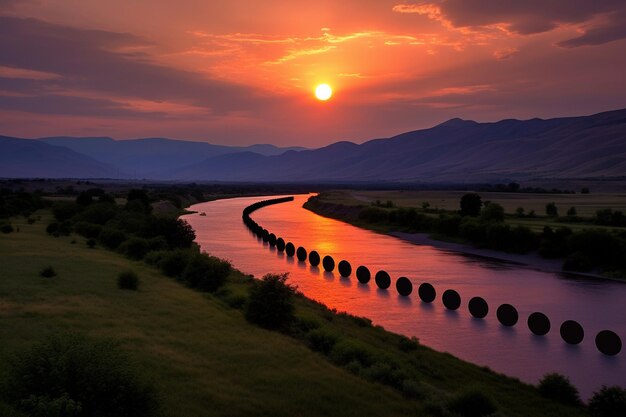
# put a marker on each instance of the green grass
(204, 358)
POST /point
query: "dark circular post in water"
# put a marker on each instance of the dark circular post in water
(329, 263)
(539, 323)
(344, 268)
(272, 239)
(314, 258)
(363, 274)
(507, 315)
(427, 292)
(301, 254)
(572, 332)
(265, 234)
(608, 342)
(404, 286)
(478, 307)
(290, 249)
(451, 299)
(280, 244)
(383, 280)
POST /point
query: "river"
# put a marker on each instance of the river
(515, 351)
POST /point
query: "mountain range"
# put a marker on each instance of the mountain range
(455, 151)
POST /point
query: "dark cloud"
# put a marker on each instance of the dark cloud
(534, 16)
(94, 60)
(614, 30)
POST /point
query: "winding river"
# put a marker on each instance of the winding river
(514, 351)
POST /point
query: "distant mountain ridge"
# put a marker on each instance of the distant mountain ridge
(459, 151)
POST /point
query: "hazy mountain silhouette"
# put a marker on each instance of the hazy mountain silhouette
(24, 158)
(149, 157)
(454, 151)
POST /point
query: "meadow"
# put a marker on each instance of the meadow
(206, 359)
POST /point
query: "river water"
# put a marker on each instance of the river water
(514, 351)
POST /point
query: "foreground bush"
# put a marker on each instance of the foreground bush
(70, 375)
(608, 402)
(472, 404)
(205, 273)
(557, 387)
(6, 228)
(48, 272)
(270, 303)
(128, 280)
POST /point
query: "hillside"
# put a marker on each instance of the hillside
(23, 158)
(205, 358)
(454, 151)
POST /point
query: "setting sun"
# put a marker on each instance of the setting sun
(323, 92)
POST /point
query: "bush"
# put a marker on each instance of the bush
(322, 340)
(91, 243)
(52, 228)
(577, 261)
(72, 376)
(6, 228)
(174, 262)
(205, 273)
(89, 230)
(608, 402)
(48, 272)
(472, 404)
(471, 204)
(270, 303)
(135, 248)
(347, 351)
(552, 210)
(558, 387)
(111, 238)
(128, 280)
(492, 213)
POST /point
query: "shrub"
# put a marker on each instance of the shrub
(205, 273)
(472, 404)
(347, 351)
(135, 248)
(111, 238)
(91, 243)
(577, 261)
(174, 262)
(608, 402)
(128, 280)
(552, 210)
(270, 303)
(48, 272)
(70, 375)
(492, 213)
(322, 340)
(6, 228)
(471, 204)
(406, 344)
(52, 228)
(90, 230)
(558, 387)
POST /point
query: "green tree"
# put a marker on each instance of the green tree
(494, 212)
(471, 204)
(551, 210)
(271, 302)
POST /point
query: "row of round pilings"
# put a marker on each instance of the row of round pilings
(607, 341)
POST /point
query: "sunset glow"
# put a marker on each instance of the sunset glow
(202, 71)
(323, 92)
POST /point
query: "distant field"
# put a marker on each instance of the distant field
(203, 356)
(585, 204)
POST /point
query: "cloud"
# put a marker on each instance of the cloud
(116, 65)
(505, 53)
(529, 17)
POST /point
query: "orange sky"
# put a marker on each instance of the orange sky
(242, 72)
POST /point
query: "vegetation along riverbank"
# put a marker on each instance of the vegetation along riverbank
(103, 287)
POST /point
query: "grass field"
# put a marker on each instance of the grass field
(204, 358)
(586, 204)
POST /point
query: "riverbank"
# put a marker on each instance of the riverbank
(530, 260)
(208, 360)
(378, 220)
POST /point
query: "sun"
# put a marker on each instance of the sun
(323, 92)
